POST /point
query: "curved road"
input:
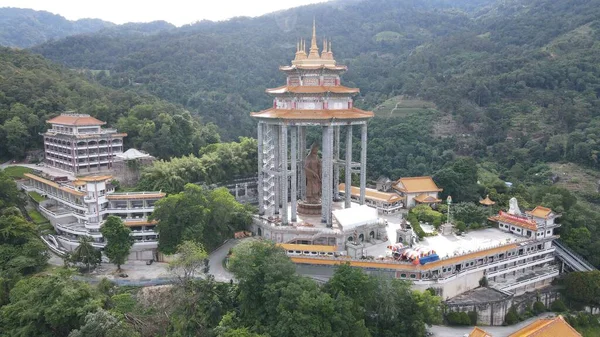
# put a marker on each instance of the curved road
(215, 261)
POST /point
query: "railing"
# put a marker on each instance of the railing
(134, 193)
(512, 285)
(521, 265)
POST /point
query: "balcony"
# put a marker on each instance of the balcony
(521, 265)
(522, 280)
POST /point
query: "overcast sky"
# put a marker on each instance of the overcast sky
(177, 12)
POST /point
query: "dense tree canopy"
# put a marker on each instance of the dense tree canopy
(207, 217)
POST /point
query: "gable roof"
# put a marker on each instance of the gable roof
(76, 120)
(416, 185)
(477, 332)
(426, 199)
(547, 327)
(540, 212)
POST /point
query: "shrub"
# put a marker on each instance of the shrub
(558, 306)
(538, 307)
(511, 316)
(483, 282)
(473, 317)
(458, 318)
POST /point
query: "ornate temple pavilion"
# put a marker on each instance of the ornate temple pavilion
(311, 97)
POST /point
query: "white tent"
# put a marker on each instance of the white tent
(350, 218)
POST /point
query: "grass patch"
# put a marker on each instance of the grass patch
(17, 172)
(575, 178)
(36, 196)
(589, 331)
(37, 217)
(402, 106)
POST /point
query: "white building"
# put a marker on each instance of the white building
(77, 143)
(79, 208)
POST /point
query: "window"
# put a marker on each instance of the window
(413, 276)
(403, 275)
(549, 232)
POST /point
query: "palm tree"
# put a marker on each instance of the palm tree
(86, 253)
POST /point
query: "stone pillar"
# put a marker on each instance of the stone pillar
(237, 195)
(276, 177)
(336, 166)
(363, 162)
(283, 173)
(294, 172)
(327, 172)
(347, 189)
(302, 157)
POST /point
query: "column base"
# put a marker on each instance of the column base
(309, 209)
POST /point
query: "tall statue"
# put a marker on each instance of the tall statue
(514, 207)
(312, 169)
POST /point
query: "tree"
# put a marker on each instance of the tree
(85, 253)
(469, 213)
(538, 307)
(103, 324)
(459, 180)
(118, 239)
(583, 288)
(16, 136)
(50, 305)
(191, 259)
(207, 217)
(511, 317)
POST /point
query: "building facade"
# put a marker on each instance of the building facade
(417, 190)
(77, 143)
(79, 208)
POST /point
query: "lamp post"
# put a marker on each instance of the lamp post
(449, 202)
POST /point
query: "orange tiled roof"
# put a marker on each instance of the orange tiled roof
(373, 194)
(299, 114)
(319, 248)
(540, 212)
(123, 196)
(139, 223)
(478, 332)
(53, 184)
(487, 201)
(94, 178)
(416, 185)
(302, 89)
(547, 327)
(514, 220)
(426, 199)
(77, 120)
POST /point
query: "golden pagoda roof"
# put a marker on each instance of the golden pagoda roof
(540, 212)
(487, 201)
(312, 67)
(313, 57)
(416, 185)
(299, 114)
(313, 89)
(478, 332)
(547, 327)
(76, 120)
(373, 194)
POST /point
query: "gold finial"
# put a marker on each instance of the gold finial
(314, 49)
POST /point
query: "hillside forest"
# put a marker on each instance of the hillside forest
(490, 97)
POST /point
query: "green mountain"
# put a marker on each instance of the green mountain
(32, 90)
(26, 27)
(23, 28)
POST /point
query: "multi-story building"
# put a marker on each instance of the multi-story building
(77, 143)
(80, 207)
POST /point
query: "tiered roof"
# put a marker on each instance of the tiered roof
(487, 201)
(309, 89)
(540, 212)
(76, 120)
(300, 114)
(424, 198)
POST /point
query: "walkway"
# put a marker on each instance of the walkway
(571, 259)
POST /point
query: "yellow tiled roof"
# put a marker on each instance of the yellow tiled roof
(547, 327)
(312, 248)
(514, 220)
(416, 185)
(94, 178)
(53, 184)
(477, 332)
(487, 201)
(373, 194)
(425, 199)
(540, 212)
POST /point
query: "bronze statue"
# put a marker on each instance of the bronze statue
(312, 169)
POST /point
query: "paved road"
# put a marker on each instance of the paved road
(496, 331)
(46, 169)
(215, 261)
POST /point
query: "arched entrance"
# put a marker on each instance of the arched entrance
(259, 231)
